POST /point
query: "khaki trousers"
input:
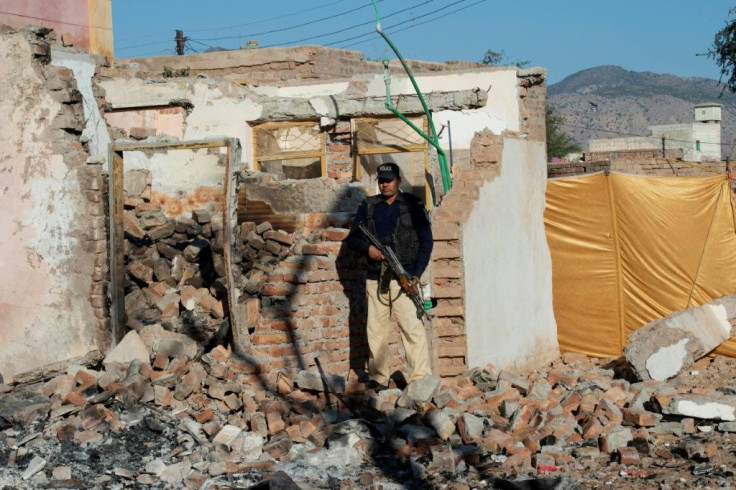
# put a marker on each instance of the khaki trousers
(412, 330)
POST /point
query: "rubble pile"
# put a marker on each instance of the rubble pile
(258, 250)
(175, 267)
(155, 413)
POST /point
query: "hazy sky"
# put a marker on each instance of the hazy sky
(564, 36)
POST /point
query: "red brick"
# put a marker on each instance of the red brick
(160, 361)
(204, 416)
(75, 398)
(335, 234)
(592, 427)
(639, 418)
(628, 456)
(277, 290)
(275, 422)
(321, 248)
(275, 338)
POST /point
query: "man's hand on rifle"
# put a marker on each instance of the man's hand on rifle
(375, 253)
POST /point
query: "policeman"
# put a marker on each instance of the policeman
(401, 222)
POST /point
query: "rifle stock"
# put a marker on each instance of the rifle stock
(409, 285)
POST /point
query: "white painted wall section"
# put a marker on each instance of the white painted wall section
(95, 130)
(508, 272)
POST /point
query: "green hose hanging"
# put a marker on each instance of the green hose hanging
(434, 139)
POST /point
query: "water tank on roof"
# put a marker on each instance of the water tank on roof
(708, 113)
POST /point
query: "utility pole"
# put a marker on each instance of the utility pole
(180, 40)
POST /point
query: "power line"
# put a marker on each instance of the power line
(56, 21)
(426, 21)
(143, 45)
(398, 24)
(353, 26)
(261, 21)
(329, 17)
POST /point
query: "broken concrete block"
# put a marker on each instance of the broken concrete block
(173, 344)
(712, 406)
(518, 382)
(312, 380)
(440, 422)
(443, 460)
(619, 437)
(249, 446)
(37, 464)
(225, 439)
(135, 182)
(423, 389)
(470, 427)
(661, 349)
(129, 349)
(23, 406)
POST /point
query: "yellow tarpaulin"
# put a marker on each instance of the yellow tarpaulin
(628, 249)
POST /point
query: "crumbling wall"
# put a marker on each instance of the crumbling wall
(649, 162)
(302, 290)
(276, 66)
(491, 264)
(54, 246)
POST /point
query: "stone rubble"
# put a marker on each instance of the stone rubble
(170, 419)
(175, 268)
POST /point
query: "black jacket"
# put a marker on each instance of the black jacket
(404, 226)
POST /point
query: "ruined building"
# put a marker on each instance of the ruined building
(209, 194)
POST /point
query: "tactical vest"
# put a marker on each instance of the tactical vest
(404, 240)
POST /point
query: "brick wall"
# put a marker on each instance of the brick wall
(311, 304)
(448, 328)
(533, 101)
(637, 163)
(69, 124)
(339, 159)
(264, 66)
(57, 279)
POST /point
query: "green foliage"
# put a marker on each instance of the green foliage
(723, 52)
(559, 143)
(499, 58)
(172, 72)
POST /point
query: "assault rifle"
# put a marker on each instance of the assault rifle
(410, 285)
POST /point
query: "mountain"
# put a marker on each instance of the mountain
(611, 102)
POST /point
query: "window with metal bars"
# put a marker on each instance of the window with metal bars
(381, 140)
(289, 150)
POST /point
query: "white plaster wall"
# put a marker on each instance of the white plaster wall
(221, 109)
(709, 135)
(224, 109)
(501, 112)
(623, 144)
(508, 270)
(95, 131)
(303, 91)
(44, 294)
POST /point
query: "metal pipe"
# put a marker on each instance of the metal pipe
(433, 140)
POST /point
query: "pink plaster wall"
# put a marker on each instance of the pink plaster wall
(164, 120)
(88, 22)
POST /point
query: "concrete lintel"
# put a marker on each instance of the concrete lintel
(171, 145)
(287, 108)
